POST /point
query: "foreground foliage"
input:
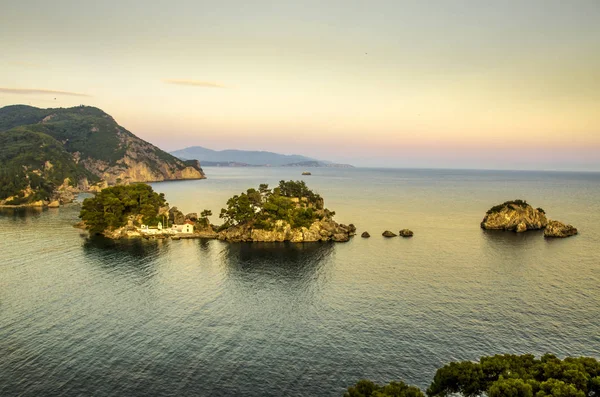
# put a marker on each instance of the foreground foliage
(112, 207)
(366, 388)
(291, 201)
(502, 376)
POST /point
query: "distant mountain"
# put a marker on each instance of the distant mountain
(247, 158)
(44, 149)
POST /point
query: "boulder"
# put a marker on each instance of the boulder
(192, 216)
(405, 233)
(559, 229)
(340, 237)
(387, 233)
(352, 229)
(365, 235)
(176, 216)
(54, 204)
(516, 215)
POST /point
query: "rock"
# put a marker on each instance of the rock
(517, 216)
(80, 225)
(38, 203)
(192, 216)
(352, 229)
(176, 216)
(340, 237)
(322, 230)
(559, 229)
(207, 233)
(387, 233)
(405, 233)
(54, 204)
(365, 235)
(306, 173)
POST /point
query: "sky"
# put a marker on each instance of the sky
(438, 84)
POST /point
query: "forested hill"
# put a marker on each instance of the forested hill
(39, 148)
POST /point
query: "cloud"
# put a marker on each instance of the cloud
(33, 91)
(193, 83)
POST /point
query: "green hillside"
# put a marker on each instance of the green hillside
(35, 160)
(79, 143)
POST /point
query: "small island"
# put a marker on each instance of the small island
(518, 216)
(289, 212)
(515, 215)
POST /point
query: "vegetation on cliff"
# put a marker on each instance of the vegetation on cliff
(112, 207)
(517, 203)
(292, 202)
(83, 144)
(33, 164)
(502, 376)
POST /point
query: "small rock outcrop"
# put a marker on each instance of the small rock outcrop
(176, 216)
(405, 233)
(559, 229)
(306, 173)
(54, 204)
(387, 233)
(192, 216)
(365, 235)
(517, 216)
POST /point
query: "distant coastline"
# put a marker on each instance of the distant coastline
(311, 164)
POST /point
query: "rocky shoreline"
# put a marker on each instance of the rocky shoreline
(518, 216)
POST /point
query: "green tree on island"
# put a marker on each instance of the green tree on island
(111, 208)
(291, 201)
(502, 376)
(204, 215)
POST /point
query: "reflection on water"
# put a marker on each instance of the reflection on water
(277, 272)
(23, 212)
(503, 239)
(282, 258)
(129, 256)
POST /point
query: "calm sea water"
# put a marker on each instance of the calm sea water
(191, 317)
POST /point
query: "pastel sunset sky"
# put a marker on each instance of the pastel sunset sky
(448, 83)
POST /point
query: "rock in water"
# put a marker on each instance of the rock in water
(517, 216)
(54, 204)
(365, 235)
(387, 233)
(559, 229)
(405, 233)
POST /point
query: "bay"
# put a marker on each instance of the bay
(82, 316)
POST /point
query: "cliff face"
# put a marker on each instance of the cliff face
(83, 144)
(141, 162)
(515, 216)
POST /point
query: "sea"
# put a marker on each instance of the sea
(84, 316)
